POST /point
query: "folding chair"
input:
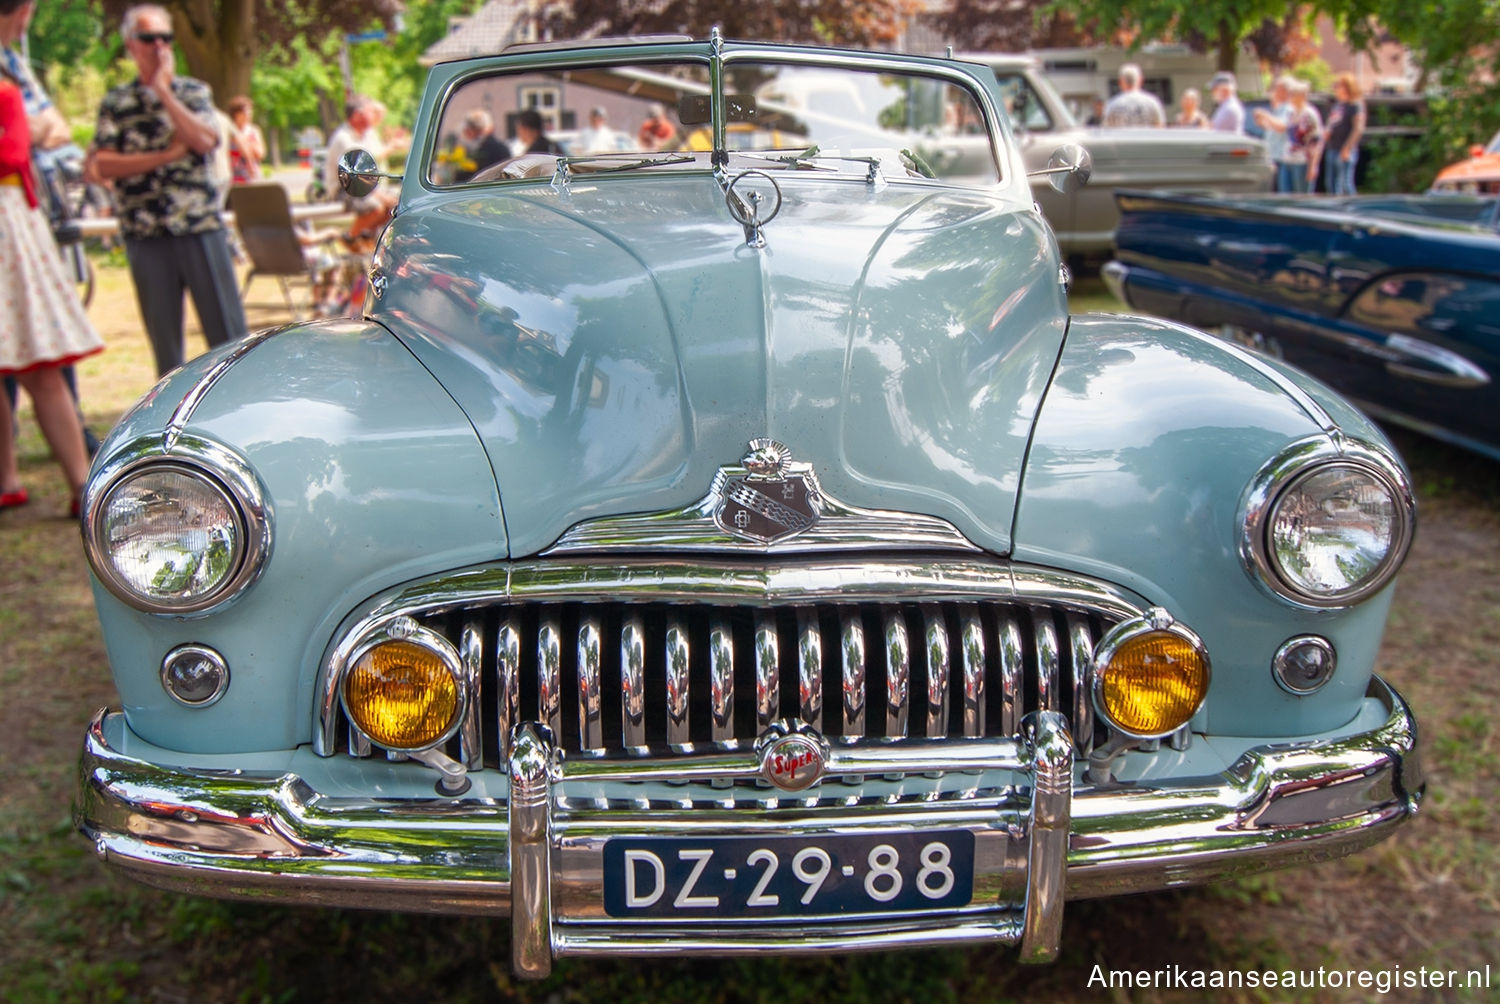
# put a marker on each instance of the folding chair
(263, 216)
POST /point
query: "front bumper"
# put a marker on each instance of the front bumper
(1041, 836)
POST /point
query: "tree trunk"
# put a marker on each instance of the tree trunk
(217, 38)
(1229, 47)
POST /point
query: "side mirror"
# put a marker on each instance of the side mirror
(358, 173)
(1068, 169)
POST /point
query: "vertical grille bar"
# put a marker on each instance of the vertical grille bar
(809, 668)
(549, 674)
(471, 655)
(1012, 676)
(677, 651)
(897, 673)
(1081, 641)
(633, 684)
(939, 663)
(767, 672)
(973, 655)
(1048, 683)
(852, 646)
(508, 688)
(721, 679)
(590, 710)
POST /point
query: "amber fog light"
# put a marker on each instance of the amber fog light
(404, 693)
(1150, 676)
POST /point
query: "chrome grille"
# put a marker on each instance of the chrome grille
(665, 678)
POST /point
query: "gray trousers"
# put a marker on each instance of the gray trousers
(162, 268)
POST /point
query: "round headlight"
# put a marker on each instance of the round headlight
(1328, 526)
(404, 694)
(170, 537)
(1336, 533)
(178, 533)
(1150, 676)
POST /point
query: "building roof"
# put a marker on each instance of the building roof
(491, 28)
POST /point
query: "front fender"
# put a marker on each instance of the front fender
(1144, 449)
(372, 475)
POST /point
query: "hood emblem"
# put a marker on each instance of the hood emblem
(792, 760)
(768, 497)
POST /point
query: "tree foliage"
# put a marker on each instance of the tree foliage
(1011, 25)
(836, 22)
(1217, 24)
(221, 40)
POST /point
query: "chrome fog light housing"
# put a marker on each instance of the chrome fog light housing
(1327, 525)
(1304, 665)
(404, 688)
(1150, 676)
(194, 675)
(179, 533)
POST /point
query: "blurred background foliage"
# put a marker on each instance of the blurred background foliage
(290, 54)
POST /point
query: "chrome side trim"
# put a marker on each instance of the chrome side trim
(633, 684)
(590, 711)
(238, 350)
(852, 673)
(677, 685)
(897, 673)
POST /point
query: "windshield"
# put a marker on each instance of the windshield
(658, 116)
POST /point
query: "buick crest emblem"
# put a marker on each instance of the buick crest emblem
(792, 761)
(767, 497)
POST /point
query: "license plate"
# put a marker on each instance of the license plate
(769, 877)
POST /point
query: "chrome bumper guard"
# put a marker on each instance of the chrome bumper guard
(539, 858)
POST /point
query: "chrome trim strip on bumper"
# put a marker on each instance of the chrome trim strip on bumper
(237, 834)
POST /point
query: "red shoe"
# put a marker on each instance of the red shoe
(75, 509)
(9, 500)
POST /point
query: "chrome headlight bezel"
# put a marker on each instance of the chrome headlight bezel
(1291, 468)
(405, 629)
(219, 469)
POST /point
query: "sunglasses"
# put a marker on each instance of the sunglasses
(153, 37)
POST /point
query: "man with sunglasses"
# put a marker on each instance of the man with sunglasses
(155, 139)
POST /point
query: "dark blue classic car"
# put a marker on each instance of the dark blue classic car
(1393, 300)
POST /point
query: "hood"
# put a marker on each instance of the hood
(616, 342)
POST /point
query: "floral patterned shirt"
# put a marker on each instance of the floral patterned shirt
(175, 199)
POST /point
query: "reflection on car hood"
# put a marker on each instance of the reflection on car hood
(615, 343)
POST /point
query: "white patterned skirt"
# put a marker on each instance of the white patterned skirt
(42, 321)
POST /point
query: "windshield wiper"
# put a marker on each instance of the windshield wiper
(808, 160)
(565, 164)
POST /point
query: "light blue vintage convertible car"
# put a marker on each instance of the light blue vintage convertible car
(735, 546)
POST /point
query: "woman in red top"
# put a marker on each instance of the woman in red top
(42, 323)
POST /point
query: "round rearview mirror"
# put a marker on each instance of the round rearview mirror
(1069, 168)
(358, 173)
